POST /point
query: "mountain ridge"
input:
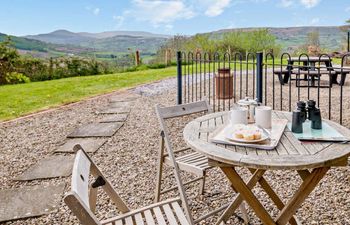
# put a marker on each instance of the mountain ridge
(63, 36)
(331, 37)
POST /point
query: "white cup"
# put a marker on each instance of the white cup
(239, 115)
(263, 116)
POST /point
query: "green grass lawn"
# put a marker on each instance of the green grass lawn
(21, 99)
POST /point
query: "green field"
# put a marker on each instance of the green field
(21, 99)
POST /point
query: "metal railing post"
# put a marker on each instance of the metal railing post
(179, 77)
(259, 76)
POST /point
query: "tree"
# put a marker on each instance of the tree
(313, 38)
(8, 58)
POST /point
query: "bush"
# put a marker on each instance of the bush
(156, 66)
(8, 59)
(232, 42)
(16, 78)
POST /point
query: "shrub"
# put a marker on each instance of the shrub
(16, 78)
(156, 66)
(8, 59)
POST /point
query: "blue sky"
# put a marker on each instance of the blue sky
(22, 17)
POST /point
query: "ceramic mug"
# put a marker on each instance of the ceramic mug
(263, 116)
(239, 115)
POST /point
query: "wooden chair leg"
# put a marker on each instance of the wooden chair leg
(159, 171)
(202, 184)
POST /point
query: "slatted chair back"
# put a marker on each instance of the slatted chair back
(83, 195)
(184, 109)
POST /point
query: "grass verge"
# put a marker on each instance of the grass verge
(22, 99)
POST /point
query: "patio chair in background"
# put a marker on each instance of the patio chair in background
(82, 199)
(192, 162)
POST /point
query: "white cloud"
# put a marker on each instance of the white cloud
(315, 21)
(93, 10)
(169, 27)
(347, 9)
(286, 3)
(163, 13)
(96, 11)
(119, 21)
(159, 12)
(217, 7)
(310, 3)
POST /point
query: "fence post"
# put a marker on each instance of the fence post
(179, 77)
(348, 41)
(259, 76)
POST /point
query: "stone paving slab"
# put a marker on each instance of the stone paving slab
(120, 104)
(89, 144)
(114, 118)
(29, 201)
(96, 130)
(124, 98)
(53, 166)
(115, 110)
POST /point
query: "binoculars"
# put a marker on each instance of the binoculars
(303, 112)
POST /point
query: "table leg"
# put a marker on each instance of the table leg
(274, 197)
(298, 198)
(248, 195)
(238, 200)
(286, 78)
(303, 174)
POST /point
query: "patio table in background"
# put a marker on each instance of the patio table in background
(310, 160)
(308, 67)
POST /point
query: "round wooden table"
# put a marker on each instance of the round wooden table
(311, 160)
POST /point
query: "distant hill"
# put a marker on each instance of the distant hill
(26, 44)
(109, 34)
(61, 37)
(126, 43)
(43, 49)
(331, 37)
(110, 41)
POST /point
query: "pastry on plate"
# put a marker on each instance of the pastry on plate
(239, 134)
(246, 132)
(249, 136)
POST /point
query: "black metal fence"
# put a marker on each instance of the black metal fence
(275, 81)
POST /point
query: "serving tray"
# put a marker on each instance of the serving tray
(327, 133)
(275, 133)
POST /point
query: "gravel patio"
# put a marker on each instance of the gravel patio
(25, 141)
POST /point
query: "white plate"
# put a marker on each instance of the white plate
(230, 136)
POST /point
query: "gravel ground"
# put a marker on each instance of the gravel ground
(129, 161)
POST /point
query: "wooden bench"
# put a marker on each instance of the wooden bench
(342, 72)
(313, 74)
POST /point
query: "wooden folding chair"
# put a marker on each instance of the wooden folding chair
(192, 162)
(83, 196)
